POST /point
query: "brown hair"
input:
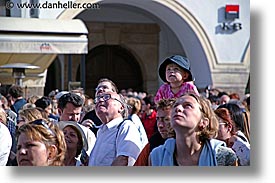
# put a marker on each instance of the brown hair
(234, 96)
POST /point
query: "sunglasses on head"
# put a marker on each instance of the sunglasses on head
(44, 124)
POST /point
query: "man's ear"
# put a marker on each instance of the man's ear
(59, 111)
(121, 109)
(229, 127)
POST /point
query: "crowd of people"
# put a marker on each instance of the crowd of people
(176, 126)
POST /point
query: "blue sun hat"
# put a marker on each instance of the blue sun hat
(181, 61)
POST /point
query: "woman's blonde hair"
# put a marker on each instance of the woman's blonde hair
(3, 116)
(135, 104)
(47, 133)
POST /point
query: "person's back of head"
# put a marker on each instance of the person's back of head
(30, 114)
(43, 102)
(221, 93)
(16, 91)
(135, 104)
(32, 99)
(214, 99)
(4, 102)
(149, 99)
(234, 96)
(28, 106)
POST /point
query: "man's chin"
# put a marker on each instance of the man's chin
(25, 163)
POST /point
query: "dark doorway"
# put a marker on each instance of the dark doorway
(115, 63)
(53, 80)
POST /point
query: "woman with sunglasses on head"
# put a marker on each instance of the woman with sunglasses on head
(40, 143)
(195, 126)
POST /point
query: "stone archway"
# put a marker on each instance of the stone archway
(185, 31)
(191, 35)
(115, 63)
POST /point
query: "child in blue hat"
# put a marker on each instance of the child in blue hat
(175, 72)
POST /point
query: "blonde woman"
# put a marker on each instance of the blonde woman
(195, 126)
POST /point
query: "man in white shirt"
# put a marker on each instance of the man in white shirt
(6, 143)
(118, 140)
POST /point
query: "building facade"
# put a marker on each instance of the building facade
(127, 40)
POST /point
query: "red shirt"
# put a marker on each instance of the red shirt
(149, 123)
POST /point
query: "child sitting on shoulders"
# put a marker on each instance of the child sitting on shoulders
(175, 72)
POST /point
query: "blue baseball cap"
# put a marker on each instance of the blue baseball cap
(181, 61)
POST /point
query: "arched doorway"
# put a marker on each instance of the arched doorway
(115, 63)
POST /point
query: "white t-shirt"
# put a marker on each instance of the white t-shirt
(6, 143)
(242, 149)
(141, 129)
(112, 142)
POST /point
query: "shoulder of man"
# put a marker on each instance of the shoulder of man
(125, 122)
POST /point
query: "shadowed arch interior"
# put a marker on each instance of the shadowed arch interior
(113, 62)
